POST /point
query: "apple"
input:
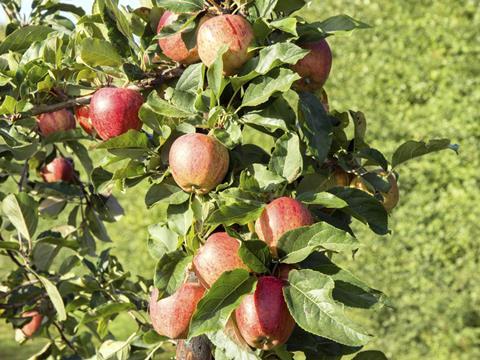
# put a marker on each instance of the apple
(315, 67)
(173, 46)
(30, 328)
(198, 162)
(171, 316)
(57, 121)
(390, 198)
(59, 169)
(231, 30)
(281, 215)
(217, 255)
(114, 111)
(263, 318)
(198, 348)
(341, 177)
(82, 113)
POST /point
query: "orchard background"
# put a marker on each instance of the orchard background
(415, 75)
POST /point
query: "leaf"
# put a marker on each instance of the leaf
(165, 193)
(374, 157)
(170, 271)
(296, 245)
(164, 108)
(239, 213)
(162, 240)
(22, 38)
(106, 311)
(21, 210)
(341, 23)
(180, 218)
(96, 226)
(232, 349)
(267, 180)
(364, 207)
(182, 6)
(260, 90)
(287, 159)
(55, 298)
(412, 149)
(216, 306)
(316, 126)
(215, 78)
(370, 355)
(256, 255)
(9, 245)
(191, 79)
(132, 139)
(309, 299)
(97, 52)
(325, 199)
(110, 348)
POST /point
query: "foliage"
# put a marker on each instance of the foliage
(131, 160)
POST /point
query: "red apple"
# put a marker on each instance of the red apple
(82, 113)
(281, 215)
(60, 169)
(171, 316)
(315, 67)
(30, 328)
(114, 111)
(231, 30)
(217, 255)
(263, 318)
(173, 46)
(198, 162)
(57, 121)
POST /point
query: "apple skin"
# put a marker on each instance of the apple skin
(217, 255)
(173, 46)
(315, 67)
(59, 169)
(281, 215)
(263, 318)
(32, 327)
(198, 162)
(82, 113)
(390, 198)
(57, 121)
(171, 316)
(114, 111)
(198, 348)
(231, 30)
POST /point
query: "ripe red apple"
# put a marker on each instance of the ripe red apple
(30, 328)
(173, 46)
(217, 255)
(198, 162)
(390, 198)
(171, 316)
(59, 169)
(281, 215)
(114, 111)
(82, 113)
(57, 121)
(263, 318)
(231, 30)
(315, 67)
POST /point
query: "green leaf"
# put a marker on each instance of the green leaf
(106, 311)
(341, 23)
(216, 306)
(22, 211)
(191, 79)
(22, 38)
(299, 243)
(261, 89)
(413, 149)
(215, 78)
(170, 271)
(96, 225)
(364, 207)
(256, 255)
(165, 193)
(374, 157)
(162, 240)
(132, 139)
(232, 349)
(239, 213)
(180, 218)
(55, 298)
(287, 159)
(370, 355)
(162, 107)
(267, 180)
(97, 52)
(325, 199)
(9, 245)
(182, 6)
(309, 299)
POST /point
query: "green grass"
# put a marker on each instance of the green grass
(415, 75)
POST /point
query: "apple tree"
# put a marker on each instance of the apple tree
(219, 107)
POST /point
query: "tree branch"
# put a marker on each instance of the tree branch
(64, 338)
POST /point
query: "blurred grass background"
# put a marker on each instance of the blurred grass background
(415, 75)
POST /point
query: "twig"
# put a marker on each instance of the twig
(64, 338)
